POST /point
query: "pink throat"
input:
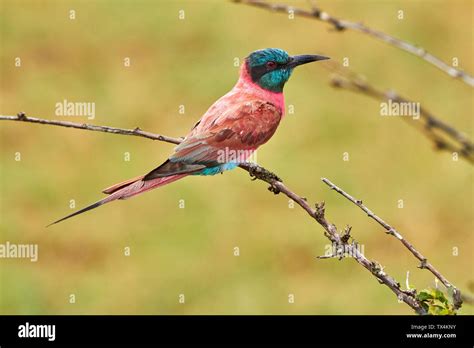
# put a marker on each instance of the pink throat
(246, 85)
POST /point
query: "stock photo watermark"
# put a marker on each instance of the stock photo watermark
(341, 251)
(394, 108)
(228, 155)
(68, 108)
(19, 251)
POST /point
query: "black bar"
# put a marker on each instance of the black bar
(366, 330)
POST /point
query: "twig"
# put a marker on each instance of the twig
(444, 136)
(276, 186)
(134, 132)
(424, 264)
(342, 25)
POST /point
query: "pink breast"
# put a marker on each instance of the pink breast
(245, 85)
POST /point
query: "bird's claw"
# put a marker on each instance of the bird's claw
(274, 189)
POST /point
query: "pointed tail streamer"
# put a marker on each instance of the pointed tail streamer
(126, 190)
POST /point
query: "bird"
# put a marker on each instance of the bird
(229, 132)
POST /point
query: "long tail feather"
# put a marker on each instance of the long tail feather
(121, 185)
(132, 189)
(83, 210)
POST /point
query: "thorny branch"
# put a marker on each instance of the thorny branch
(444, 136)
(424, 264)
(342, 25)
(341, 239)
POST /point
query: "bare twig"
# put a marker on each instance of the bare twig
(276, 186)
(134, 132)
(424, 264)
(443, 136)
(342, 25)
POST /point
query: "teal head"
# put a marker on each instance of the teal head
(270, 68)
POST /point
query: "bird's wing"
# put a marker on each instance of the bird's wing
(245, 126)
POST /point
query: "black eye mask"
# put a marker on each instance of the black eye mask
(258, 71)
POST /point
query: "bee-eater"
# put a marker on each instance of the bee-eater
(236, 124)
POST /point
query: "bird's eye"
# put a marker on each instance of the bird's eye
(271, 65)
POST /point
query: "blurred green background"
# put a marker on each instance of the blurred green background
(190, 250)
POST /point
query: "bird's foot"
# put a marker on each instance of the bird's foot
(273, 188)
(257, 172)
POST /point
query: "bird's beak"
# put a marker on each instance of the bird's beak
(305, 58)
